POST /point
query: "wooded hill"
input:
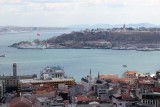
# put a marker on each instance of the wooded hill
(131, 36)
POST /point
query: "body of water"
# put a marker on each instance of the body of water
(76, 62)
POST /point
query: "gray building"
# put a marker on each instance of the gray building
(49, 102)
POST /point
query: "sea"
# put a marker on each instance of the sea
(77, 63)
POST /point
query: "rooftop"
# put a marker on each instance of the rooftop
(20, 102)
(108, 76)
(42, 99)
(45, 81)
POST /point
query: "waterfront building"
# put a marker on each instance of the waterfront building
(12, 81)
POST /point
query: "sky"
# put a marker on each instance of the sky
(60, 13)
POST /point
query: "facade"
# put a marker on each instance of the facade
(103, 92)
(152, 99)
(130, 74)
(101, 89)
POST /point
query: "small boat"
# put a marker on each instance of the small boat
(2, 55)
(124, 65)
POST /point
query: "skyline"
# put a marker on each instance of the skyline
(61, 13)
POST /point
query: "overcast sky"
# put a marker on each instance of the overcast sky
(72, 12)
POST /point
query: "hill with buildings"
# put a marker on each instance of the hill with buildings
(116, 38)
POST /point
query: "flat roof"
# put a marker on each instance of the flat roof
(42, 99)
(45, 81)
(153, 93)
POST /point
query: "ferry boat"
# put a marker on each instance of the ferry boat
(144, 49)
(3, 55)
(32, 46)
(124, 65)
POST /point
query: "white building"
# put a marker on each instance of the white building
(55, 71)
(46, 102)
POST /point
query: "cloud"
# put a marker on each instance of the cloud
(80, 11)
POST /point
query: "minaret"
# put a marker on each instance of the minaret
(124, 27)
(98, 75)
(90, 75)
(14, 69)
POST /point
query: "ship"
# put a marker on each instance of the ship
(32, 46)
(3, 55)
(145, 49)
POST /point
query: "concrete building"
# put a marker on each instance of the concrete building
(101, 89)
(46, 102)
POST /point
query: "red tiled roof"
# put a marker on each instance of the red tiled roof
(108, 76)
(20, 102)
(82, 98)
